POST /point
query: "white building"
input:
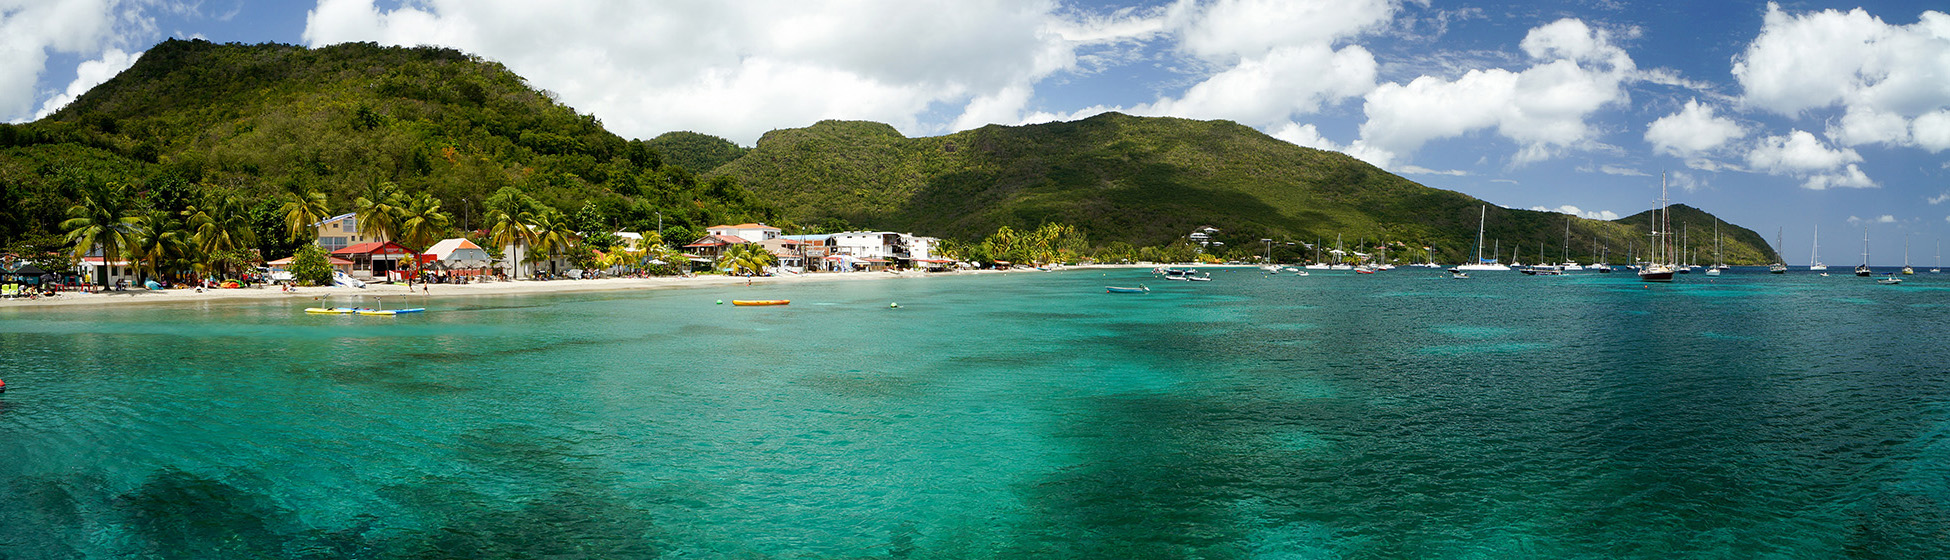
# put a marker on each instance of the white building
(885, 245)
(341, 231)
(748, 232)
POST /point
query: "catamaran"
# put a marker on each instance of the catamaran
(1654, 269)
(1480, 263)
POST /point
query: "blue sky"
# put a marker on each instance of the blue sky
(1787, 115)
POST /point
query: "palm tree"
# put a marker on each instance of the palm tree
(104, 219)
(160, 240)
(552, 234)
(303, 210)
(421, 222)
(220, 230)
(378, 211)
(511, 228)
(747, 258)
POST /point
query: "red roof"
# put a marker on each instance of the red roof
(335, 261)
(745, 226)
(720, 240)
(375, 248)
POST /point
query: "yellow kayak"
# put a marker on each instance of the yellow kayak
(760, 301)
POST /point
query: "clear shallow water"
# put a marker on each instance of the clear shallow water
(1332, 416)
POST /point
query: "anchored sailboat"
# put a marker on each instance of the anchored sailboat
(1656, 269)
(1481, 264)
(1778, 267)
(1814, 255)
(1863, 270)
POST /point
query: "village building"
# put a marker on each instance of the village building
(341, 231)
(376, 259)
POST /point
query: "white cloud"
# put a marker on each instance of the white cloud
(1575, 71)
(1685, 181)
(1622, 171)
(1801, 155)
(1419, 170)
(1882, 75)
(88, 75)
(1273, 87)
(739, 69)
(1692, 131)
(1579, 212)
(30, 31)
(1939, 199)
(1932, 132)
(1883, 219)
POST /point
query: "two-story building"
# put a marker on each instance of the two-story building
(341, 231)
(749, 232)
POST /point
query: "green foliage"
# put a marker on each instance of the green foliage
(698, 152)
(1139, 181)
(311, 266)
(746, 258)
(267, 120)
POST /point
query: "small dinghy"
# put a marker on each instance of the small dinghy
(1122, 290)
(760, 301)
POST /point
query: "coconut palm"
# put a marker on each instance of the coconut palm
(421, 222)
(508, 227)
(103, 219)
(553, 234)
(301, 211)
(221, 231)
(160, 242)
(378, 211)
(746, 258)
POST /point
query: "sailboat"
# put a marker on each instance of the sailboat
(1939, 258)
(1654, 270)
(1778, 267)
(1481, 264)
(1863, 270)
(1906, 268)
(1318, 264)
(1569, 265)
(1719, 263)
(1338, 264)
(1814, 255)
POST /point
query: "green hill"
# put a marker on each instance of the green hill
(192, 118)
(1144, 181)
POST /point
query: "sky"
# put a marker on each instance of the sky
(1777, 116)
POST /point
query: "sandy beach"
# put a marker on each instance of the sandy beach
(339, 295)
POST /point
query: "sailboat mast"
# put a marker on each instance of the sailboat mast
(1483, 214)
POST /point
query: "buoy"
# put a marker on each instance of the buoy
(720, 302)
(893, 306)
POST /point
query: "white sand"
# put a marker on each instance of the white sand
(337, 295)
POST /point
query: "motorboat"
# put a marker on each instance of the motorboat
(1122, 290)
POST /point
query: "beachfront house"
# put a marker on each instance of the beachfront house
(119, 270)
(750, 232)
(341, 231)
(712, 246)
(871, 250)
(788, 252)
(456, 256)
(377, 259)
(338, 264)
(811, 251)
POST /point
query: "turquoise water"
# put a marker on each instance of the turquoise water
(1400, 415)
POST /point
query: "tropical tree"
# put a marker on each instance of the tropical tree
(553, 234)
(746, 258)
(311, 266)
(221, 232)
(301, 211)
(422, 223)
(378, 211)
(103, 219)
(510, 223)
(159, 242)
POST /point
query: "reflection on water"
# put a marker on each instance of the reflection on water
(1400, 415)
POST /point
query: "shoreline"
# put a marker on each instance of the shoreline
(441, 291)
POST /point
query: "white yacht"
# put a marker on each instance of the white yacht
(1480, 264)
(1814, 255)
